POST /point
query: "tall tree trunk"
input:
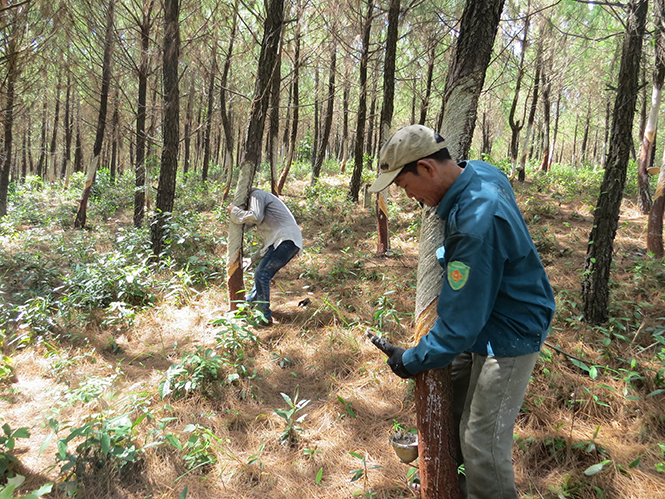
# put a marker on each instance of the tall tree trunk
(273, 129)
(24, 157)
(517, 125)
(655, 234)
(315, 143)
(556, 123)
(115, 120)
(41, 163)
(585, 138)
(651, 126)
(296, 108)
(655, 224)
(387, 108)
(52, 171)
(225, 109)
(170, 126)
(211, 104)
(69, 128)
(595, 286)
(188, 126)
(437, 436)
(81, 214)
(486, 148)
(78, 149)
(424, 105)
(547, 106)
(345, 121)
(521, 175)
(354, 186)
(11, 60)
(369, 150)
(327, 123)
(144, 69)
(30, 159)
(252, 149)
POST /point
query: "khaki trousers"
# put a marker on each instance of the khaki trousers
(487, 396)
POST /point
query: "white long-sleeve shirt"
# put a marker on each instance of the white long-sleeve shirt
(274, 222)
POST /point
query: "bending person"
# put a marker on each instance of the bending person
(282, 241)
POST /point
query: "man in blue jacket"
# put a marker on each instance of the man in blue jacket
(495, 304)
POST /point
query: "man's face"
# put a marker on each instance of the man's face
(422, 187)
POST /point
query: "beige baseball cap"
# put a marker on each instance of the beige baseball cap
(407, 145)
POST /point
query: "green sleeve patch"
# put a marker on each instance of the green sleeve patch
(458, 274)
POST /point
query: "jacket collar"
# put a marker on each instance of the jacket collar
(451, 196)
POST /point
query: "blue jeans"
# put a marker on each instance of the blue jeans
(270, 264)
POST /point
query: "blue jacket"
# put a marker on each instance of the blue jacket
(495, 298)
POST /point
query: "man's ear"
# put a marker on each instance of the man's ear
(428, 167)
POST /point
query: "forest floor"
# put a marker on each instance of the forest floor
(592, 424)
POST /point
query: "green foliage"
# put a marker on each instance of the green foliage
(6, 368)
(35, 319)
(7, 492)
(7, 444)
(107, 196)
(291, 418)
(385, 310)
(361, 472)
(113, 277)
(256, 458)
(91, 388)
(234, 337)
(103, 441)
(570, 182)
(347, 406)
(197, 449)
(195, 372)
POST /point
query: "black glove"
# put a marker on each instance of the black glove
(396, 364)
(394, 356)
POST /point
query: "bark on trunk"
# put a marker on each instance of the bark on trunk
(327, 124)
(225, 108)
(437, 442)
(170, 127)
(655, 234)
(595, 286)
(52, 170)
(273, 129)
(139, 166)
(521, 175)
(651, 126)
(69, 128)
(188, 127)
(424, 105)
(211, 104)
(517, 125)
(11, 61)
(296, 109)
(383, 241)
(354, 186)
(252, 148)
(81, 215)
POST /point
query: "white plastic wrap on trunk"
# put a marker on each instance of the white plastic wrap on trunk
(430, 273)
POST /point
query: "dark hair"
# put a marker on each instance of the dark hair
(440, 155)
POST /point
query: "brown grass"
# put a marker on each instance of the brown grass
(329, 358)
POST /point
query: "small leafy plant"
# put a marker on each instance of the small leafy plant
(7, 443)
(292, 428)
(7, 492)
(192, 373)
(361, 472)
(103, 440)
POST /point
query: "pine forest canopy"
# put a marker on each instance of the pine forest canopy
(574, 47)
